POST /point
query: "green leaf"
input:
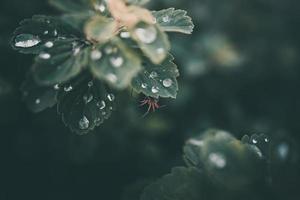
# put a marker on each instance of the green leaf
(174, 20)
(77, 20)
(38, 98)
(100, 29)
(71, 5)
(182, 184)
(225, 158)
(152, 40)
(63, 60)
(114, 63)
(32, 34)
(157, 80)
(84, 104)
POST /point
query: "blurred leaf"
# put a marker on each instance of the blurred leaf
(182, 184)
(225, 158)
(84, 104)
(174, 20)
(71, 5)
(100, 29)
(38, 98)
(64, 59)
(157, 80)
(115, 63)
(152, 41)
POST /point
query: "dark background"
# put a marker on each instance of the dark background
(240, 71)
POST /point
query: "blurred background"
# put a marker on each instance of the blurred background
(240, 72)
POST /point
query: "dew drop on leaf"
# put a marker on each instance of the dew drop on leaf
(56, 87)
(68, 88)
(167, 82)
(112, 78)
(37, 101)
(84, 123)
(46, 32)
(153, 74)
(88, 98)
(26, 40)
(144, 85)
(100, 7)
(45, 56)
(125, 34)
(76, 51)
(96, 54)
(101, 105)
(154, 90)
(147, 35)
(283, 150)
(160, 50)
(49, 44)
(90, 84)
(111, 97)
(116, 61)
(55, 33)
(217, 159)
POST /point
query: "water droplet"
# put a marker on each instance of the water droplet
(167, 82)
(90, 83)
(46, 32)
(283, 150)
(125, 34)
(37, 101)
(55, 32)
(217, 159)
(96, 54)
(100, 7)
(68, 88)
(56, 87)
(26, 40)
(45, 56)
(144, 85)
(116, 61)
(88, 98)
(112, 78)
(84, 123)
(49, 44)
(154, 90)
(196, 142)
(254, 141)
(153, 74)
(147, 35)
(111, 97)
(108, 49)
(110, 108)
(166, 19)
(101, 105)
(160, 50)
(76, 51)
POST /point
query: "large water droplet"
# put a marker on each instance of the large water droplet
(101, 105)
(88, 98)
(26, 40)
(116, 61)
(111, 97)
(96, 54)
(68, 88)
(217, 159)
(49, 44)
(37, 101)
(153, 74)
(84, 123)
(147, 35)
(160, 50)
(45, 56)
(154, 90)
(167, 82)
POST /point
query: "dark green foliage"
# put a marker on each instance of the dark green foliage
(89, 36)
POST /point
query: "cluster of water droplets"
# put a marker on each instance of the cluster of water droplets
(217, 159)
(147, 34)
(84, 123)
